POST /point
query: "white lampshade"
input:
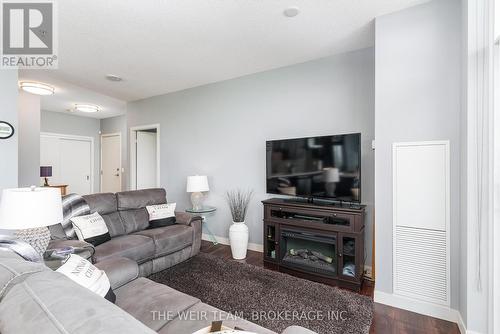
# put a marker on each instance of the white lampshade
(33, 207)
(197, 183)
(331, 175)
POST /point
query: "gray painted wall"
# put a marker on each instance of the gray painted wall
(8, 112)
(220, 129)
(29, 139)
(118, 124)
(418, 97)
(56, 122)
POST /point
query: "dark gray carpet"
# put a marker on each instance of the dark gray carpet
(241, 288)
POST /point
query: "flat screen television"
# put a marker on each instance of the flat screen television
(326, 167)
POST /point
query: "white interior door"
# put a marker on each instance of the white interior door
(76, 165)
(50, 156)
(71, 161)
(421, 218)
(111, 163)
(146, 160)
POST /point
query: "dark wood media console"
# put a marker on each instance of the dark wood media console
(320, 242)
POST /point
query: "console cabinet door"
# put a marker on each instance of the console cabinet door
(351, 260)
(271, 242)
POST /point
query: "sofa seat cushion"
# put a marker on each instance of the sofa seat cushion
(135, 247)
(120, 270)
(169, 239)
(152, 303)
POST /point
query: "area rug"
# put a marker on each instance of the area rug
(270, 299)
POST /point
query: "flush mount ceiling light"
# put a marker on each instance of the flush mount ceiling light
(291, 12)
(37, 88)
(89, 108)
(114, 78)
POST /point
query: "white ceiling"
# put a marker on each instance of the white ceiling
(67, 95)
(161, 46)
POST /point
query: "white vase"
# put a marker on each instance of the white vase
(238, 238)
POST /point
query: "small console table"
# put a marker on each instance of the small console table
(203, 212)
(63, 188)
(320, 242)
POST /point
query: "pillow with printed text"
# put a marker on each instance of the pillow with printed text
(91, 228)
(161, 215)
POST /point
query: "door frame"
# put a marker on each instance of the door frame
(133, 153)
(78, 138)
(494, 276)
(100, 157)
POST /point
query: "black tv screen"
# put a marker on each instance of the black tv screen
(315, 167)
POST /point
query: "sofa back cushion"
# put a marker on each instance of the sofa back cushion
(14, 269)
(106, 205)
(132, 207)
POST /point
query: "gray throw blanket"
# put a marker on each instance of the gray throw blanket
(21, 248)
(73, 206)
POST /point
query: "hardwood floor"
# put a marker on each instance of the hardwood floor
(386, 319)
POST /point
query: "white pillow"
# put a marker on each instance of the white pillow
(161, 211)
(161, 215)
(87, 275)
(91, 228)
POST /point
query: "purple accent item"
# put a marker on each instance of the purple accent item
(64, 250)
(45, 171)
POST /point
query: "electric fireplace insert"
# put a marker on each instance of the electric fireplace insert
(309, 251)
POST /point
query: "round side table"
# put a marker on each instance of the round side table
(203, 213)
(55, 261)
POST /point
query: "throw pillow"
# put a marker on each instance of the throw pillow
(91, 228)
(87, 275)
(161, 215)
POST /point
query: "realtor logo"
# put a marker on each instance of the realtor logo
(28, 35)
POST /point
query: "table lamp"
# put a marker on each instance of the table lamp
(29, 211)
(45, 172)
(196, 185)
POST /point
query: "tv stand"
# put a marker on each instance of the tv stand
(320, 242)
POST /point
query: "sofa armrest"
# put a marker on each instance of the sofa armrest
(297, 330)
(120, 271)
(185, 218)
(59, 243)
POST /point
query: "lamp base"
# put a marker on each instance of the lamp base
(330, 188)
(197, 200)
(38, 238)
(46, 183)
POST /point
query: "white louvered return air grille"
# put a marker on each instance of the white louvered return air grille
(421, 221)
(420, 266)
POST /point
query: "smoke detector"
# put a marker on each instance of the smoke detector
(291, 12)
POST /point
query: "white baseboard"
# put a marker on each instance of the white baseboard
(225, 241)
(421, 307)
(461, 325)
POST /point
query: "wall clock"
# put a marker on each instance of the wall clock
(6, 130)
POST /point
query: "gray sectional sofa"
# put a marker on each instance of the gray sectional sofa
(127, 220)
(35, 299)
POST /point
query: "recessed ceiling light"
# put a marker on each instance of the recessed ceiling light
(37, 88)
(112, 77)
(291, 12)
(86, 108)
